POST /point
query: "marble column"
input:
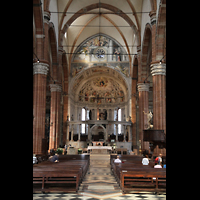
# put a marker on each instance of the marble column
(143, 89)
(39, 104)
(158, 72)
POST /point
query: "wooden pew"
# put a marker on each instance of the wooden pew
(66, 175)
(47, 179)
(131, 174)
(142, 180)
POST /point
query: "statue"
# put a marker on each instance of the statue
(149, 117)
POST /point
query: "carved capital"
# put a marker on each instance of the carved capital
(55, 88)
(40, 68)
(158, 69)
(143, 87)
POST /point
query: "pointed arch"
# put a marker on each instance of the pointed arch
(161, 31)
(94, 6)
(54, 52)
(146, 50)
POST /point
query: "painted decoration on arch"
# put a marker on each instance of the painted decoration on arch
(101, 90)
(100, 50)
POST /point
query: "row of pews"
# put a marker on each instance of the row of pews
(132, 175)
(65, 176)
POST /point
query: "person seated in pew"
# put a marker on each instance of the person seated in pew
(157, 166)
(145, 161)
(54, 158)
(117, 160)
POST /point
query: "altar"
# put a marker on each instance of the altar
(99, 149)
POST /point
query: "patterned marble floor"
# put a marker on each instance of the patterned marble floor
(99, 183)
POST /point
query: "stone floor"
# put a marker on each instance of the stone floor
(99, 183)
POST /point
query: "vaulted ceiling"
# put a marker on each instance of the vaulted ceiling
(80, 19)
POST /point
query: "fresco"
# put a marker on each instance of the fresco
(100, 51)
(101, 90)
(98, 46)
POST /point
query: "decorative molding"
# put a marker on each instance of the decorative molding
(138, 48)
(40, 68)
(152, 15)
(55, 88)
(143, 87)
(40, 36)
(47, 16)
(158, 69)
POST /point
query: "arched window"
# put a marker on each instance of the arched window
(119, 119)
(83, 119)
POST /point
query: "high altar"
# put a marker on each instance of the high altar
(98, 148)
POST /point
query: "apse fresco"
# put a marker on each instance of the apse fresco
(101, 90)
(100, 51)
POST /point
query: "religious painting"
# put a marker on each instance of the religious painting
(117, 54)
(100, 50)
(100, 82)
(101, 90)
(96, 47)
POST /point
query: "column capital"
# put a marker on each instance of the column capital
(139, 48)
(143, 87)
(47, 16)
(158, 69)
(55, 88)
(60, 50)
(40, 68)
(152, 15)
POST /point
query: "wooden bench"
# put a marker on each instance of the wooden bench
(152, 179)
(66, 175)
(65, 181)
(132, 175)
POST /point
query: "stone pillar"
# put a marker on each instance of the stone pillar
(54, 125)
(72, 133)
(79, 132)
(110, 51)
(67, 135)
(58, 119)
(106, 134)
(39, 104)
(143, 89)
(158, 72)
(124, 133)
(116, 132)
(129, 134)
